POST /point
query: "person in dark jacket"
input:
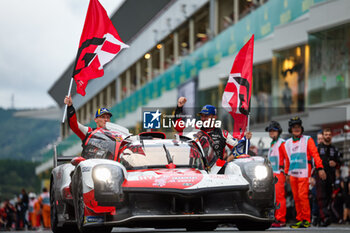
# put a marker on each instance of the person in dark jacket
(331, 160)
(345, 185)
(337, 198)
(10, 212)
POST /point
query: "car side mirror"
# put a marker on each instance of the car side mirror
(75, 161)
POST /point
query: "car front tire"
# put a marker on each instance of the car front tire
(53, 213)
(79, 207)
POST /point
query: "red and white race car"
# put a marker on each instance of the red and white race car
(149, 181)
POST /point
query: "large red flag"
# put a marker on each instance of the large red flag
(236, 97)
(99, 43)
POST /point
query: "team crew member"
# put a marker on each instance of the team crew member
(102, 116)
(219, 138)
(31, 213)
(276, 156)
(44, 200)
(331, 159)
(300, 150)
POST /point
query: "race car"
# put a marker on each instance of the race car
(150, 181)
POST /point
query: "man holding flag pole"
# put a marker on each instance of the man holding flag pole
(99, 44)
(235, 100)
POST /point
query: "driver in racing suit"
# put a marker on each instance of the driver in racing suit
(102, 116)
(218, 138)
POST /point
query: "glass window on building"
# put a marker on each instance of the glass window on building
(247, 6)
(184, 40)
(289, 86)
(144, 69)
(155, 55)
(133, 78)
(329, 65)
(226, 17)
(201, 28)
(105, 97)
(168, 51)
(113, 95)
(123, 82)
(209, 96)
(261, 101)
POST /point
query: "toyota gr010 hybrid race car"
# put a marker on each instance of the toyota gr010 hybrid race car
(147, 181)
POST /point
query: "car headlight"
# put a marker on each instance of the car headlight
(102, 174)
(260, 172)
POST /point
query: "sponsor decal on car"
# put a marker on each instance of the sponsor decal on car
(89, 219)
(85, 169)
(187, 184)
(160, 182)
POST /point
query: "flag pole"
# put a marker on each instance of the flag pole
(247, 130)
(65, 108)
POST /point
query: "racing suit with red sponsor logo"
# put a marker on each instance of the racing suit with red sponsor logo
(299, 152)
(79, 129)
(276, 156)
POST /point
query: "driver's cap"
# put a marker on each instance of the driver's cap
(208, 110)
(102, 111)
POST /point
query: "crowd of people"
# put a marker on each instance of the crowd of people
(319, 195)
(26, 211)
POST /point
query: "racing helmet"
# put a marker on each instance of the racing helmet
(274, 125)
(295, 121)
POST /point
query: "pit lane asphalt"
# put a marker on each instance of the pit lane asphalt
(329, 229)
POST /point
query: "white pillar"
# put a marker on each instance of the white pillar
(161, 59)
(128, 80)
(118, 87)
(109, 95)
(101, 104)
(138, 75)
(94, 105)
(236, 10)
(191, 35)
(149, 68)
(176, 46)
(213, 17)
(88, 111)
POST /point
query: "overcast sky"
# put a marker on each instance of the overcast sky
(38, 40)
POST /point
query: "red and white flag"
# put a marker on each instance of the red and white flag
(99, 43)
(236, 97)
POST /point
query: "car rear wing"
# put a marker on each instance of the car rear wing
(58, 159)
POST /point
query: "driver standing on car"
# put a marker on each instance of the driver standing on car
(219, 138)
(102, 116)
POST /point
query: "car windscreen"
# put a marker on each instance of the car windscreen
(158, 153)
(100, 144)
